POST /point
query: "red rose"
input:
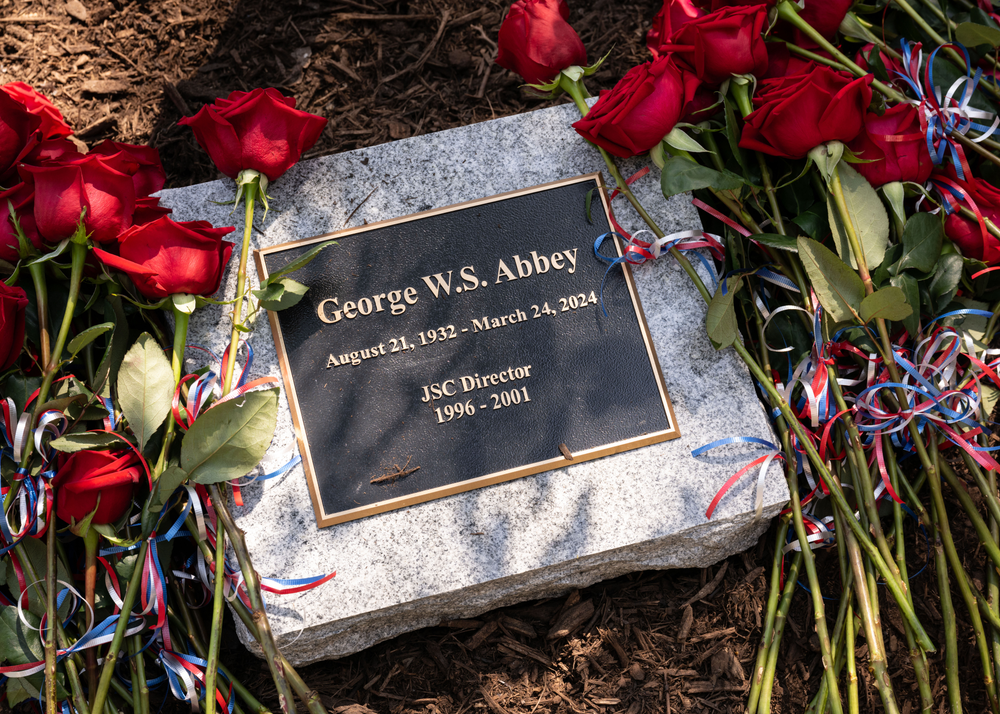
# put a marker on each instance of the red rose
(825, 16)
(894, 160)
(260, 130)
(18, 135)
(53, 125)
(797, 113)
(705, 104)
(668, 20)
(713, 5)
(165, 257)
(142, 163)
(148, 209)
(22, 198)
(13, 301)
(641, 109)
(85, 476)
(723, 43)
(51, 151)
(783, 63)
(536, 41)
(63, 192)
(966, 233)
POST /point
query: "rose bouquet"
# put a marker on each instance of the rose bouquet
(119, 443)
(846, 166)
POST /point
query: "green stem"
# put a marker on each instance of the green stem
(90, 542)
(819, 609)
(741, 93)
(108, 671)
(789, 12)
(186, 625)
(181, 320)
(37, 271)
(241, 279)
(917, 656)
(764, 707)
(51, 703)
(951, 671)
(852, 670)
(133, 673)
(774, 592)
(265, 637)
(79, 255)
(837, 189)
(817, 58)
(219, 599)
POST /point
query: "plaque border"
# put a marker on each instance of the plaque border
(324, 519)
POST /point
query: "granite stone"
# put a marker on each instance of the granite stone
(530, 538)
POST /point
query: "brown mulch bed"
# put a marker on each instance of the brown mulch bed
(388, 69)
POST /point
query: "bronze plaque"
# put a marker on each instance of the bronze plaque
(462, 347)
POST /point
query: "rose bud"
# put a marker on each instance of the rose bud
(53, 126)
(260, 130)
(641, 109)
(668, 20)
(142, 163)
(62, 193)
(86, 476)
(895, 145)
(18, 134)
(536, 42)
(165, 257)
(723, 43)
(13, 301)
(797, 113)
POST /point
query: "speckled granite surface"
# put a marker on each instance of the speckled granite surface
(534, 537)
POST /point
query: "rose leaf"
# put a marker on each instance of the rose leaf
(922, 239)
(839, 288)
(721, 320)
(868, 215)
(888, 304)
(145, 387)
(228, 440)
(908, 284)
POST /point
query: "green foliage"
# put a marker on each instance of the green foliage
(145, 387)
(681, 175)
(721, 320)
(300, 262)
(776, 240)
(228, 440)
(867, 214)
(944, 285)
(839, 288)
(922, 239)
(19, 644)
(281, 294)
(972, 34)
(87, 336)
(19, 387)
(87, 440)
(887, 304)
(911, 290)
(34, 549)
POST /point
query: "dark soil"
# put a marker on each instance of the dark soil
(381, 70)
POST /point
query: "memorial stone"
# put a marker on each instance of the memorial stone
(461, 552)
